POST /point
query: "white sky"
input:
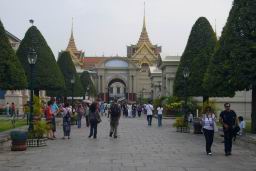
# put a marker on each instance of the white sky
(108, 26)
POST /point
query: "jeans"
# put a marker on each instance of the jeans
(228, 136)
(79, 118)
(93, 129)
(159, 117)
(208, 134)
(113, 127)
(149, 118)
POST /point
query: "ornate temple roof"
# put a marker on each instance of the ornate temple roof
(71, 44)
(144, 34)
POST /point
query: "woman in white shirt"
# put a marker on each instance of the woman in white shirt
(159, 115)
(129, 106)
(208, 128)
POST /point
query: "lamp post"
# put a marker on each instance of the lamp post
(72, 81)
(186, 73)
(32, 57)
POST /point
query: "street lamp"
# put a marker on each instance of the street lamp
(32, 57)
(72, 81)
(186, 73)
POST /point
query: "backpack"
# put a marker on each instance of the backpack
(115, 110)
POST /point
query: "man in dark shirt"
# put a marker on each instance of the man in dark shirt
(115, 113)
(228, 119)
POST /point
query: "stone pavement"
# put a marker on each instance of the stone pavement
(138, 148)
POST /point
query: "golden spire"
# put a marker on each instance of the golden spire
(71, 43)
(144, 33)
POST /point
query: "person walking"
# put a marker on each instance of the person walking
(13, 109)
(139, 109)
(228, 119)
(55, 110)
(149, 109)
(115, 113)
(48, 117)
(87, 111)
(208, 120)
(242, 125)
(7, 109)
(80, 112)
(94, 118)
(66, 116)
(160, 115)
(129, 108)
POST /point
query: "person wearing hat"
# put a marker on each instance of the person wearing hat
(228, 119)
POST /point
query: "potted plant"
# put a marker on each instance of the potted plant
(19, 140)
(36, 136)
(172, 106)
(181, 125)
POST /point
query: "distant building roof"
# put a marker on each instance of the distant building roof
(10, 35)
(90, 62)
(172, 58)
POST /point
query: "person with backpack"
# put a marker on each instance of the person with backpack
(115, 113)
(149, 108)
(66, 115)
(94, 118)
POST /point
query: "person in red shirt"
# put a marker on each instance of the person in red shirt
(49, 116)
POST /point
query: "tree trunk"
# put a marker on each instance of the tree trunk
(253, 114)
(36, 93)
(205, 101)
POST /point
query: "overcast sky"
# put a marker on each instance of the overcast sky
(108, 26)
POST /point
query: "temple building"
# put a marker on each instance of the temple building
(143, 73)
(120, 77)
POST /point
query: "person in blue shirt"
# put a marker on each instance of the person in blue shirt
(55, 110)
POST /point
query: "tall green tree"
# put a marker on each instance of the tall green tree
(47, 75)
(12, 75)
(198, 52)
(235, 58)
(87, 83)
(68, 70)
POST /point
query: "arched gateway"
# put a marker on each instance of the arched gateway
(116, 79)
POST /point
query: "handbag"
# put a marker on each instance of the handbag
(98, 120)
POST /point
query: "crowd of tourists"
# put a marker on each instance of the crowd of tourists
(232, 125)
(134, 110)
(93, 113)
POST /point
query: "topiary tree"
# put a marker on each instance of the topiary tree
(234, 63)
(47, 75)
(87, 84)
(12, 75)
(68, 70)
(198, 52)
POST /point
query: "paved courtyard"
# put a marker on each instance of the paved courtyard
(138, 148)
